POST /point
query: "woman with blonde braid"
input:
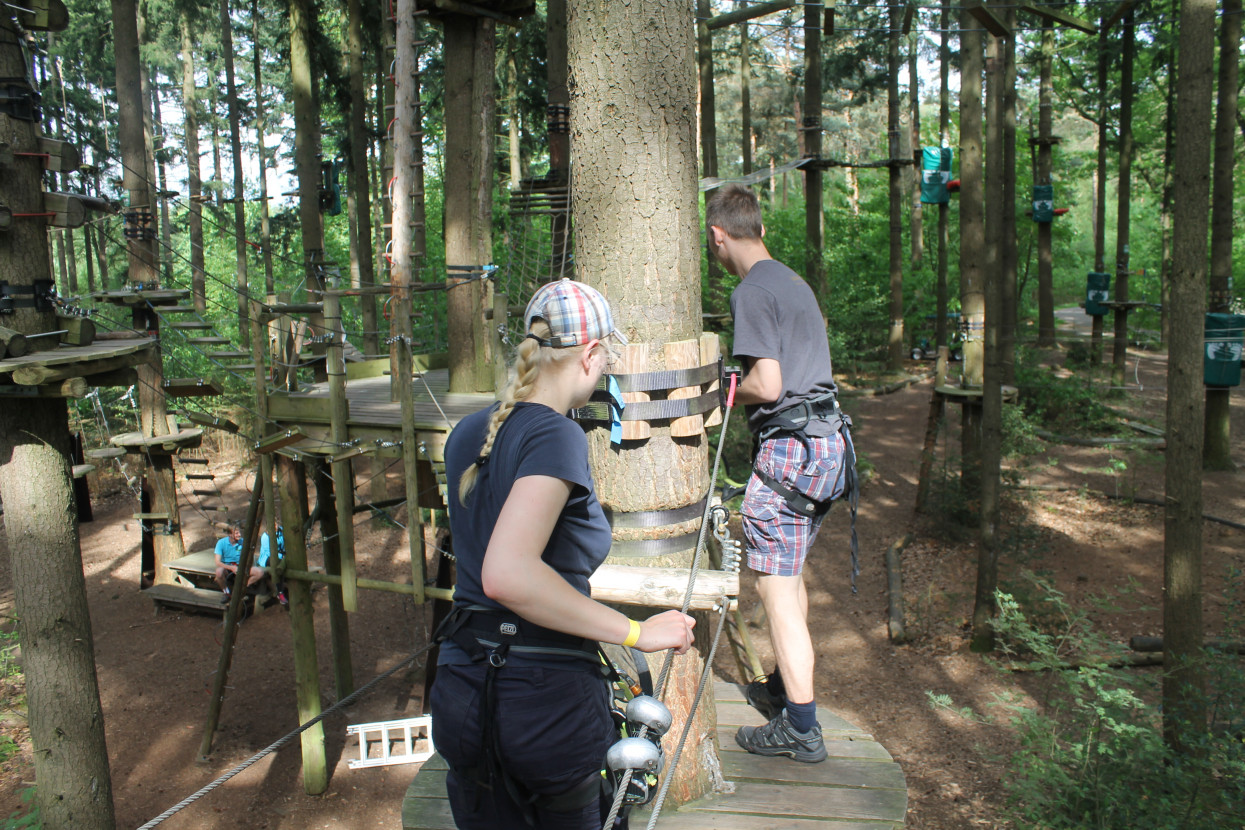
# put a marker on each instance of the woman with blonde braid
(520, 703)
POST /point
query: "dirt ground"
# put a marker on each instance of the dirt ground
(156, 668)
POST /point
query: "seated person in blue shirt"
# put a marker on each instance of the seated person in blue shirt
(228, 552)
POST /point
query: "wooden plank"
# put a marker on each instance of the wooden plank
(207, 341)
(634, 360)
(184, 596)
(1057, 16)
(698, 820)
(739, 713)
(844, 772)
(279, 440)
(812, 802)
(105, 452)
(203, 420)
(80, 470)
(710, 351)
(137, 442)
(98, 351)
(199, 562)
(660, 587)
(684, 354)
(839, 747)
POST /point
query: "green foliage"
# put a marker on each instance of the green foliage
(26, 818)
(1092, 753)
(1066, 405)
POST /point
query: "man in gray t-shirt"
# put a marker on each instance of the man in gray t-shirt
(780, 339)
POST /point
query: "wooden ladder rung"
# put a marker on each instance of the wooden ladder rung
(201, 325)
(207, 341)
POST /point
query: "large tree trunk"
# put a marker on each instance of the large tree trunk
(470, 107)
(190, 106)
(944, 139)
(916, 217)
(1183, 679)
(161, 186)
(143, 268)
(745, 98)
(1119, 350)
(635, 190)
(41, 530)
(239, 188)
(992, 369)
(895, 339)
(1217, 453)
(1007, 241)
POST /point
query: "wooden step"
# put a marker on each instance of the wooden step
(207, 341)
(178, 309)
(212, 492)
(191, 459)
(200, 325)
(199, 419)
(138, 443)
(228, 355)
(244, 367)
(197, 476)
(80, 470)
(186, 597)
(105, 452)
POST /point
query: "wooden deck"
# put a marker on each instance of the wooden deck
(859, 787)
(371, 414)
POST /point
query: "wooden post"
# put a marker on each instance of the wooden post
(814, 224)
(329, 511)
(339, 434)
(293, 490)
(1042, 175)
(1119, 346)
(249, 536)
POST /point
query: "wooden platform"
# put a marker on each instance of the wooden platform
(186, 598)
(371, 414)
(77, 361)
(859, 787)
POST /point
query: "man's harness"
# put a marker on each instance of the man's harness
(488, 635)
(793, 422)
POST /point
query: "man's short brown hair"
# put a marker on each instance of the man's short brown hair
(734, 209)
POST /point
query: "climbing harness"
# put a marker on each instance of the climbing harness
(793, 421)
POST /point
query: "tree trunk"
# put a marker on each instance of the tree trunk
(1184, 681)
(470, 107)
(306, 156)
(917, 215)
(218, 175)
(708, 123)
(265, 239)
(362, 209)
(239, 187)
(161, 186)
(1100, 192)
(512, 108)
(49, 591)
(1119, 351)
(972, 245)
(1046, 263)
(143, 269)
(745, 98)
(1217, 452)
(1169, 158)
(895, 338)
(1008, 254)
(557, 69)
(636, 189)
(944, 139)
(814, 218)
(190, 106)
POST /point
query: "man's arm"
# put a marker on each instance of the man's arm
(762, 381)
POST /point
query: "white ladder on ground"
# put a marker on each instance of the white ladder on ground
(413, 736)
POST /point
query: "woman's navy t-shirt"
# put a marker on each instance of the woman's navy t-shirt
(534, 440)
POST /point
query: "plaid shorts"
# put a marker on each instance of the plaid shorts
(777, 537)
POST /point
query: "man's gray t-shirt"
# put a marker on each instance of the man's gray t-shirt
(777, 316)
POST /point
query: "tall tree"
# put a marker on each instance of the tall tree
(41, 529)
(1119, 350)
(634, 171)
(972, 240)
(265, 232)
(359, 179)
(745, 99)
(814, 214)
(1183, 678)
(1217, 453)
(190, 109)
(239, 186)
(916, 217)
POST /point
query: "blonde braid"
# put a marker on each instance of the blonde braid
(526, 369)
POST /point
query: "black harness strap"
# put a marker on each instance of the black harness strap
(794, 421)
(489, 635)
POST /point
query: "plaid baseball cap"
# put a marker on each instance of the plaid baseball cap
(575, 312)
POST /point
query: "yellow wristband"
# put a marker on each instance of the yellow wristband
(634, 636)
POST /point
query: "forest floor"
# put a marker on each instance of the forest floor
(155, 669)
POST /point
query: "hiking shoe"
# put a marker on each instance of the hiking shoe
(778, 737)
(763, 700)
(282, 598)
(224, 600)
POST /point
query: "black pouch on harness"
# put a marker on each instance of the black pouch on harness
(491, 635)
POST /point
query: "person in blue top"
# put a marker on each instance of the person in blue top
(228, 552)
(265, 560)
(521, 706)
